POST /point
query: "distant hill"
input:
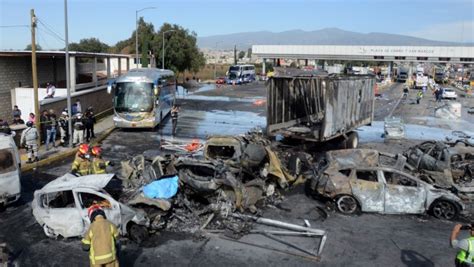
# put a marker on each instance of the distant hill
(327, 36)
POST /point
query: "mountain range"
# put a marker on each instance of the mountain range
(327, 36)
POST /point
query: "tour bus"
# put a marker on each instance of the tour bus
(143, 97)
(239, 74)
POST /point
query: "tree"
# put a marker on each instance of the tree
(38, 47)
(92, 45)
(241, 54)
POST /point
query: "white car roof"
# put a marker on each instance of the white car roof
(69, 181)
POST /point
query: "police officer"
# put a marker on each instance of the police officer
(82, 165)
(63, 128)
(29, 137)
(101, 239)
(465, 256)
(99, 165)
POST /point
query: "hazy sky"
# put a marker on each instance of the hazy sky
(114, 20)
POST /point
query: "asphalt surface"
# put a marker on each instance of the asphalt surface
(362, 240)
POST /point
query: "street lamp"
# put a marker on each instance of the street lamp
(163, 52)
(136, 32)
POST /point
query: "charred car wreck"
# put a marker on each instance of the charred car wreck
(446, 165)
(356, 181)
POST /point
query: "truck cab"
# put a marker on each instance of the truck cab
(10, 165)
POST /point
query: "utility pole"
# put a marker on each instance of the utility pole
(68, 76)
(235, 54)
(34, 72)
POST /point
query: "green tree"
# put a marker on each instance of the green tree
(38, 47)
(92, 45)
(241, 54)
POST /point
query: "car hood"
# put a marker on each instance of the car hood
(69, 181)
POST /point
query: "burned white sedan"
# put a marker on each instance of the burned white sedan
(356, 181)
(60, 207)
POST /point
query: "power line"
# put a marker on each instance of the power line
(14, 26)
(60, 40)
(51, 32)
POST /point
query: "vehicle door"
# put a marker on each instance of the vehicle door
(10, 186)
(87, 197)
(368, 190)
(403, 194)
(58, 210)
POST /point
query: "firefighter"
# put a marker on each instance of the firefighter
(99, 165)
(29, 136)
(101, 239)
(82, 165)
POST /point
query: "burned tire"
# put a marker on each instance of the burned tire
(444, 209)
(352, 141)
(137, 233)
(347, 204)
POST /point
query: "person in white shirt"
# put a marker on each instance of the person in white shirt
(50, 90)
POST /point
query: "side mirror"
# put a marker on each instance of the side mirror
(110, 86)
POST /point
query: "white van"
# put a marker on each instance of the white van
(10, 164)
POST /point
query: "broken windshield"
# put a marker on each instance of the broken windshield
(134, 97)
(7, 161)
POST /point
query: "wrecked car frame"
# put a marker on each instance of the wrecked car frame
(60, 207)
(355, 180)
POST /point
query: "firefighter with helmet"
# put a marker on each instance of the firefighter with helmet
(99, 165)
(82, 165)
(101, 239)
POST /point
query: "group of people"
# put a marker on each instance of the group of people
(89, 160)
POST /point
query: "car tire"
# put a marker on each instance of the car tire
(352, 141)
(347, 204)
(137, 233)
(444, 209)
(49, 232)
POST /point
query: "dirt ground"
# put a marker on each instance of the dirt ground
(362, 240)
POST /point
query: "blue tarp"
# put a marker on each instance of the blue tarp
(164, 188)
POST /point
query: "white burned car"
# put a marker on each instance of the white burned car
(10, 187)
(357, 181)
(60, 207)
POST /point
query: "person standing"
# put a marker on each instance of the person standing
(419, 96)
(101, 239)
(99, 165)
(465, 256)
(16, 112)
(63, 128)
(51, 129)
(89, 124)
(78, 106)
(81, 165)
(29, 138)
(32, 118)
(43, 125)
(78, 126)
(174, 118)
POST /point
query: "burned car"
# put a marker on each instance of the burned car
(60, 207)
(356, 181)
(446, 165)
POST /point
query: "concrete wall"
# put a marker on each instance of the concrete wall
(98, 98)
(16, 72)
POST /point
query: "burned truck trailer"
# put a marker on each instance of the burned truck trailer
(320, 108)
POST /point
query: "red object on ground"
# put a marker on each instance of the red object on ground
(259, 102)
(193, 146)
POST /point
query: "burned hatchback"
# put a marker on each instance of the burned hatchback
(356, 181)
(60, 207)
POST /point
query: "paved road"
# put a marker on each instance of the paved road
(365, 240)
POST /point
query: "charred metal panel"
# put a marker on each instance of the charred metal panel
(327, 106)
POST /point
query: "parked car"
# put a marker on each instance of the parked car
(220, 80)
(60, 207)
(449, 93)
(10, 164)
(356, 181)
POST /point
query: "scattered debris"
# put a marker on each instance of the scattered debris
(394, 128)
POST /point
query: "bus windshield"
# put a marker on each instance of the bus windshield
(134, 97)
(234, 69)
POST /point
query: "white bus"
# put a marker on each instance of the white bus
(143, 97)
(239, 74)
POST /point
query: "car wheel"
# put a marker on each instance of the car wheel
(49, 232)
(444, 209)
(137, 233)
(347, 204)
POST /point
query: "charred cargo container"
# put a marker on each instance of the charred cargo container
(320, 108)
